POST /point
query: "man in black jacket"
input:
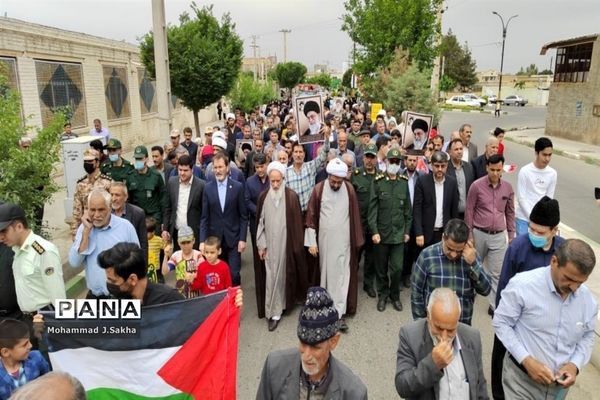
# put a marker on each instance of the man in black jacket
(132, 213)
(462, 171)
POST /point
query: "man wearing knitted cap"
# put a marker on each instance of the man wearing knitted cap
(279, 239)
(321, 375)
(334, 234)
(526, 252)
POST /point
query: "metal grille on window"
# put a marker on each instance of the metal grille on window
(60, 87)
(147, 92)
(116, 92)
(8, 69)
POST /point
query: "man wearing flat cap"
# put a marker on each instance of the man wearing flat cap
(319, 374)
(530, 251)
(334, 234)
(279, 239)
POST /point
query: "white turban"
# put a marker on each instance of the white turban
(220, 142)
(276, 166)
(219, 134)
(337, 167)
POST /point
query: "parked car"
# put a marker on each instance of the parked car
(514, 100)
(493, 99)
(471, 96)
(462, 101)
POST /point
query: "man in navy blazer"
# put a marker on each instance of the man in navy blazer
(428, 221)
(224, 215)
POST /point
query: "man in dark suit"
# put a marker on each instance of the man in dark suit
(187, 212)
(411, 250)
(439, 357)
(480, 163)
(435, 202)
(470, 148)
(461, 171)
(132, 213)
(224, 215)
(160, 163)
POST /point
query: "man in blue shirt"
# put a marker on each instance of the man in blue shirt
(546, 320)
(525, 253)
(99, 230)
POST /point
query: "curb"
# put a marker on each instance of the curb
(557, 150)
(472, 111)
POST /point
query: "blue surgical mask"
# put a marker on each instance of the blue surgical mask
(113, 157)
(537, 241)
(139, 164)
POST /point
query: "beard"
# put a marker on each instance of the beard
(276, 195)
(312, 369)
(314, 128)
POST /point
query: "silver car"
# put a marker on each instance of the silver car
(514, 100)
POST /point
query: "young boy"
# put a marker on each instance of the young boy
(213, 274)
(185, 260)
(155, 245)
(19, 364)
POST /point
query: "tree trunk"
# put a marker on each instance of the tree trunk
(197, 124)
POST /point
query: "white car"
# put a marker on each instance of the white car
(514, 100)
(462, 101)
(471, 96)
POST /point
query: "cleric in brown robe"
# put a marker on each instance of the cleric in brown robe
(296, 283)
(313, 216)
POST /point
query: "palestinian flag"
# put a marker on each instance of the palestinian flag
(181, 350)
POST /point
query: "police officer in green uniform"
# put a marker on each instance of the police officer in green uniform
(390, 218)
(361, 179)
(116, 167)
(37, 266)
(146, 187)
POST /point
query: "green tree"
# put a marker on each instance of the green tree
(411, 91)
(520, 85)
(379, 27)
(546, 72)
(204, 57)
(289, 74)
(23, 173)
(347, 78)
(532, 69)
(247, 93)
(458, 63)
(323, 79)
(446, 83)
(384, 75)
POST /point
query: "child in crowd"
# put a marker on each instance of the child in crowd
(155, 246)
(19, 364)
(183, 261)
(213, 274)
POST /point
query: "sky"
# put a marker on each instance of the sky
(316, 36)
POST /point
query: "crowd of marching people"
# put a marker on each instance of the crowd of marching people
(441, 223)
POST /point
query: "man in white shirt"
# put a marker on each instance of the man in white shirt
(536, 180)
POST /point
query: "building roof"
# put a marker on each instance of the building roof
(569, 42)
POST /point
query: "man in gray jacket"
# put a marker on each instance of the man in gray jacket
(439, 357)
(321, 376)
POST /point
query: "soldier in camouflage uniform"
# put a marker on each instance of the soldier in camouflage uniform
(94, 179)
(116, 167)
(147, 188)
(362, 179)
(390, 218)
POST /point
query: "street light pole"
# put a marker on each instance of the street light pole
(504, 27)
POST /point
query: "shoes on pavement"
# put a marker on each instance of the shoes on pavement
(370, 292)
(343, 326)
(381, 304)
(491, 311)
(397, 304)
(273, 324)
(406, 281)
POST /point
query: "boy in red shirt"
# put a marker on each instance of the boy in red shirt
(213, 274)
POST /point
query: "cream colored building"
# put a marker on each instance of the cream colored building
(95, 77)
(534, 87)
(574, 105)
(262, 65)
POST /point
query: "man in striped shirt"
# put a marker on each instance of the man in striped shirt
(451, 263)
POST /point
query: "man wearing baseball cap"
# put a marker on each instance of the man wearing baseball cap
(116, 167)
(146, 187)
(312, 363)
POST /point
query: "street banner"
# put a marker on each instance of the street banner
(180, 350)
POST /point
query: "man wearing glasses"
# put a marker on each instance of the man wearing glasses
(451, 263)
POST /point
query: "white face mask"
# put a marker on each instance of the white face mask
(393, 169)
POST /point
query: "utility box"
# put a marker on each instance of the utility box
(72, 155)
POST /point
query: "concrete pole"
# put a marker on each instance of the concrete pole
(161, 62)
(285, 32)
(254, 46)
(435, 73)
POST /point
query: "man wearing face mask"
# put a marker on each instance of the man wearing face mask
(525, 253)
(116, 167)
(94, 179)
(439, 357)
(147, 188)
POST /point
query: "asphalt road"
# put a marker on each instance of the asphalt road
(576, 179)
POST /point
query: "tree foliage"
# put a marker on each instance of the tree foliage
(379, 27)
(248, 93)
(347, 78)
(289, 74)
(459, 66)
(531, 69)
(447, 84)
(204, 57)
(26, 175)
(323, 79)
(397, 66)
(411, 91)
